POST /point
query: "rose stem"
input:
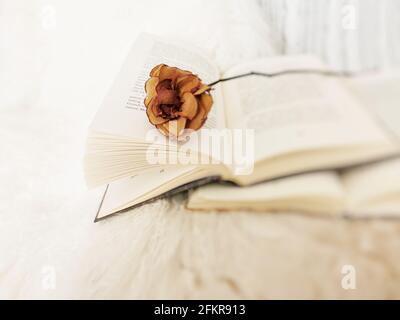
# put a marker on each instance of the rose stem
(281, 73)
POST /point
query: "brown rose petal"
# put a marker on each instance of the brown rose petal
(190, 83)
(152, 114)
(166, 96)
(150, 88)
(155, 107)
(205, 102)
(168, 73)
(182, 73)
(165, 84)
(203, 88)
(155, 72)
(189, 106)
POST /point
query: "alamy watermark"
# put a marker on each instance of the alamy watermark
(48, 17)
(349, 17)
(233, 148)
(49, 277)
(349, 277)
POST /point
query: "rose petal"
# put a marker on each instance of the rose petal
(180, 79)
(190, 83)
(150, 88)
(198, 120)
(189, 106)
(155, 72)
(152, 115)
(165, 84)
(203, 88)
(168, 73)
(182, 73)
(204, 106)
(206, 101)
(166, 96)
(154, 107)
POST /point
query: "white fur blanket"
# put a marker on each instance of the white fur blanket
(57, 62)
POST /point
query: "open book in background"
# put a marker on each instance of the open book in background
(366, 190)
(302, 123)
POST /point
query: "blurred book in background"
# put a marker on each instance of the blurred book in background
(367, 190)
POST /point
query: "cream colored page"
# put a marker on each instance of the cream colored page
(296, 112)
(304, 185)
(123, 112)
(373, 188)
(123, 191)
(381, 95)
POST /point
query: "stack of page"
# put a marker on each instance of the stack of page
(306, 128)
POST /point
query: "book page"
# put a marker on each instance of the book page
(316, 192)
(119, 194)
(381, 95)
(296, 112)
(123, 112)
(373, 189)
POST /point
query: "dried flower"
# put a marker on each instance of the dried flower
(176, 100)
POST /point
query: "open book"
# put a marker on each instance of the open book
(366, 190)
(302, 123)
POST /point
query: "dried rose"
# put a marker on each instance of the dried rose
(176, 100)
